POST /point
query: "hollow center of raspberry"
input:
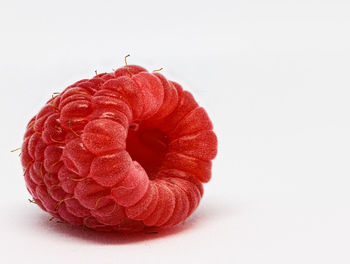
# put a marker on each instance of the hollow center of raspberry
(148, 147)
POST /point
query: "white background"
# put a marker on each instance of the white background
(274, 77)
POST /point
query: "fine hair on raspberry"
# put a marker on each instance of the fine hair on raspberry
(121, 151)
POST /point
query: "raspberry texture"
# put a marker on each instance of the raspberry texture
(121, 151)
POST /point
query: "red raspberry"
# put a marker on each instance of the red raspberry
(120, 151)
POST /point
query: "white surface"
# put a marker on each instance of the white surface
(274, 76)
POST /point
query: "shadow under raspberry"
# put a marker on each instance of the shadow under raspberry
(39, 222)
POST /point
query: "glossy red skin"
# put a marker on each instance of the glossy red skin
(120, 151)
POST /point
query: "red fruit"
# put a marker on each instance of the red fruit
(119, 152)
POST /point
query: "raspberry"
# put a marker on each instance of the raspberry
(121, 151)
